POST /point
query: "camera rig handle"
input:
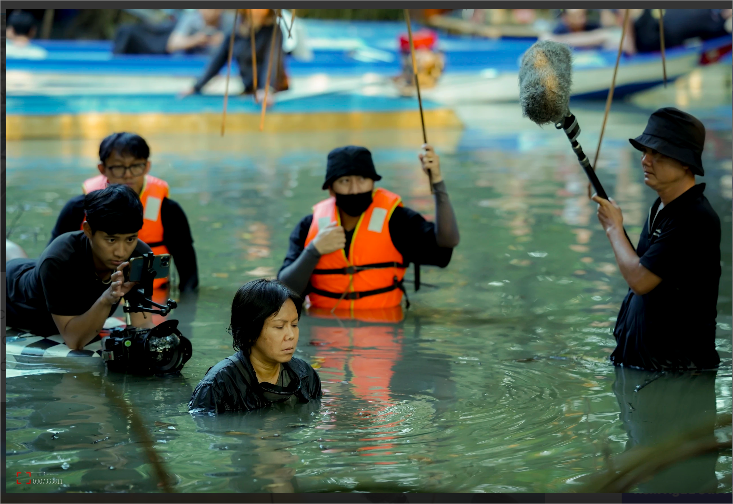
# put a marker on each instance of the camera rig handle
(137, 299)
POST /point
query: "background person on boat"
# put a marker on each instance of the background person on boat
(264, 325)
(124, 159)
(576, 30)
(680, 25)
(200, 31)
(20, 30)
(197, 31)
(642, 30)
(264, 22)
(359, 225)
(77, 282)
(667, 319)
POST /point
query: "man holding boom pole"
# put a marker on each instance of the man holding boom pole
(667, 320)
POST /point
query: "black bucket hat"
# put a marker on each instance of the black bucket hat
(349, 160)
(675, 134)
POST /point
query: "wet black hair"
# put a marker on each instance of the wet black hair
(253, 304)
(21, 21)
(116, 209)
(124, 143)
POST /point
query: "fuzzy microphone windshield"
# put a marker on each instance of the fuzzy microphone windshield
(544, 82)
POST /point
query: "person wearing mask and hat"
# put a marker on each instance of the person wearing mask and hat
(352, 252)
(667, 320)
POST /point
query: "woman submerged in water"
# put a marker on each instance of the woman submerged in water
(265, 315)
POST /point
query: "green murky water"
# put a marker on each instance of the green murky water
(497, 380)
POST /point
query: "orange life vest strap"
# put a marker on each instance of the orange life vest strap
(352, 296)
(351, 270)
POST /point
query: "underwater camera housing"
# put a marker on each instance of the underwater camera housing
(159, 350)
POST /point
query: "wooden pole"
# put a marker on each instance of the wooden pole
(292, 20)
(610, 95)
(254, 51)
(275, 28)
(138, 427)
(47, 25)
(661, 43)
(229, 71)
(417, 86)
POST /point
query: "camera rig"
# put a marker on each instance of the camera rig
(160, 350)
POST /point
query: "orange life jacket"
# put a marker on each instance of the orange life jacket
(154, 190)
(371, 276)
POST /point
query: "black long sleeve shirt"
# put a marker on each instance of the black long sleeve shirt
(176, 235)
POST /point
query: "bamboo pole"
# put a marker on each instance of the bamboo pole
(417, 86)
(254, 51)
(229, 71)
(661, 43)
(610, 96)
(275, 29)
(292, 20)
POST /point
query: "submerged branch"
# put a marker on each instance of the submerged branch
(643, 462)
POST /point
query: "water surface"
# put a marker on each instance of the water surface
(497, 379)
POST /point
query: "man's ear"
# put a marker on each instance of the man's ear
(147, 168)
(330, 192)
(101, 169)
(87, 230)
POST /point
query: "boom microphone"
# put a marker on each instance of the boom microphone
(545, 79)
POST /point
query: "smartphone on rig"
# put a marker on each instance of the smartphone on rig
(161, 267)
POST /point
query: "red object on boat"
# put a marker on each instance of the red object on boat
(713, 55)
(422, 39)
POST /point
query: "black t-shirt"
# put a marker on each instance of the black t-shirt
(61, 281)
(176, 235)
(673, 326)
(411, 234)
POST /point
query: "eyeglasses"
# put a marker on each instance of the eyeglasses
(119, 170)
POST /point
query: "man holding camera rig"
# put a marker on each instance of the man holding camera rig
(123, 159)
(77, 282)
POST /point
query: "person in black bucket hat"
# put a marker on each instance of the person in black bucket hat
(667, 320)
(352, 252)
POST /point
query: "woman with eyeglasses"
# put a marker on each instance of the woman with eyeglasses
(124, 159)
(264, 371)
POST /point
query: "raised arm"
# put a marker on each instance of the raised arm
(446, 226)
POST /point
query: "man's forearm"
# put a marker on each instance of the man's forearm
(298, 274)
(446, 226)
(80, 330)
(626, 258)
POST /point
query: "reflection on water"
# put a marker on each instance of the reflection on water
(496, 380)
